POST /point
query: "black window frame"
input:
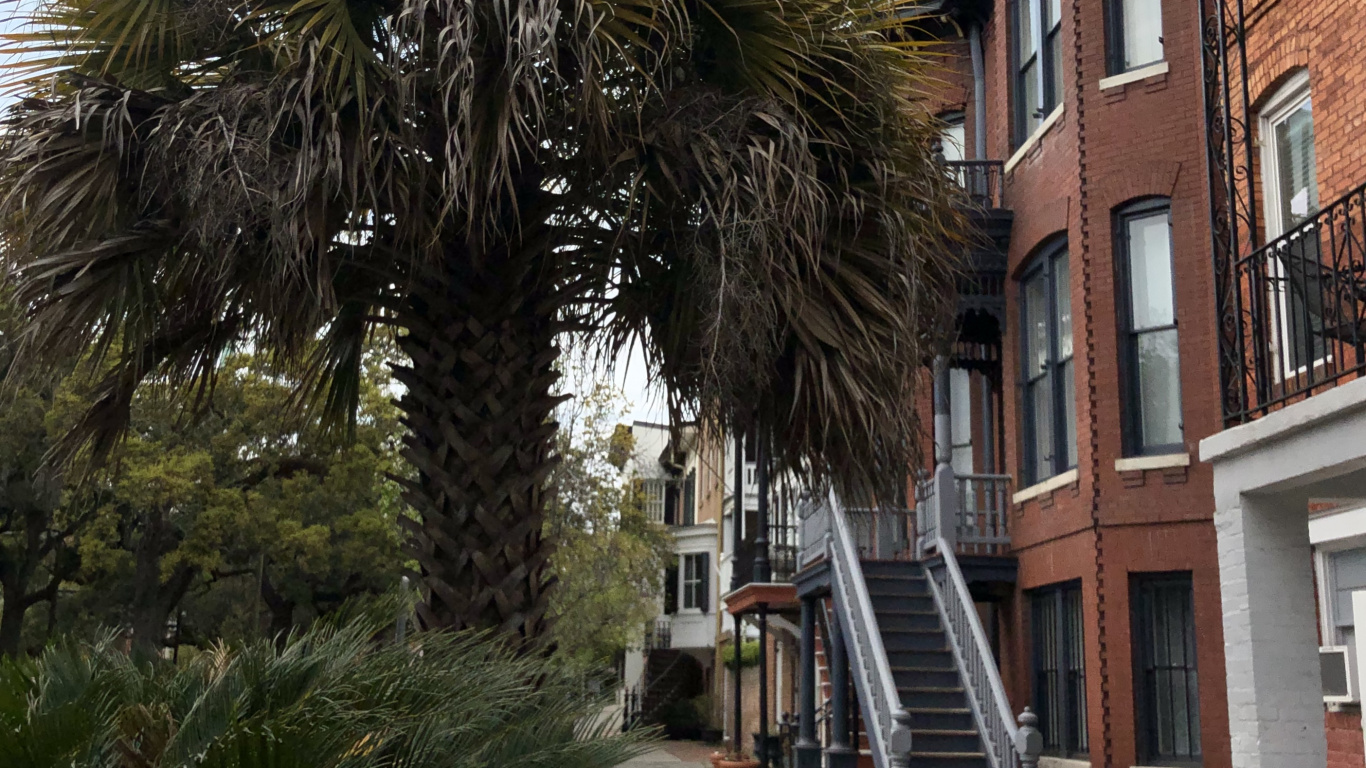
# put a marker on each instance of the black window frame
(1066, 664)
(1047, 61)
(1143, 588)
(1043, 268)
(1130, 386)
(1114, 40)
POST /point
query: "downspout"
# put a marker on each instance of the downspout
(979, 93)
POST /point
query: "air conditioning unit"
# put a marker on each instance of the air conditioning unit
(1338, 666)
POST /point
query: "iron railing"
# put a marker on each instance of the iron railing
(1301, 311)
(813, 528)
(976, 665)
(659, 636)
(867, 656)
(980, 179)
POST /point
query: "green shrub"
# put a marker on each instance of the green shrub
(331, 698)
(749, 654)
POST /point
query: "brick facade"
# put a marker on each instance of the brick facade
(1142, 139)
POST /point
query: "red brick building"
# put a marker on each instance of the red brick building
(1107, 378)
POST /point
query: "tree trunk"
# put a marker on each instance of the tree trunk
(154, 599)
(478, 408)
(12, 622)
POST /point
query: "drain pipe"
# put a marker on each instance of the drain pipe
(979, 93)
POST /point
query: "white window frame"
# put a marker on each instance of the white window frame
(684, 593)
(1287, 99)
(1330, 533)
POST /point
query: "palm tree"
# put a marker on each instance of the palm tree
(746, 188)
(330, 698)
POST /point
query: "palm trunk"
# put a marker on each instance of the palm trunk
(12, 622)
(478, 407)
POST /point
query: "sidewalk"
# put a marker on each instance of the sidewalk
(674, 754)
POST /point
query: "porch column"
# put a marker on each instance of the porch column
(737, 522)
(840, 754)
(1275, 697)
(761, 749)
(763, 572)
(945, 487)
(807, 749)
(737, 739)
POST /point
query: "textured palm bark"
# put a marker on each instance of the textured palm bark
(478, 408)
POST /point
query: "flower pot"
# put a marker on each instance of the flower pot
(745, 762)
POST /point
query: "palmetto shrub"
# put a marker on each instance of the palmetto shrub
(329, 698)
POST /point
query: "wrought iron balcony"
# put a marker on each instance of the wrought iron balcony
(659, 636)
(981, 287)
(1297, 312)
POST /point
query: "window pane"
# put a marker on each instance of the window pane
(1024, 40)
(1062, 287)
(1349, 574)
(1299, 189)
(1069, 405)
(1036, 325)
(1039, 401)
(1142, 32)
(1054, 14)
(1076, 670)
(1159, 388)
(1032, 101)
(951, 141)
(1053, 44)
(1150, 271)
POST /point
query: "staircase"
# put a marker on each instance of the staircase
(943, 732)
(918, 655)
(670, 676)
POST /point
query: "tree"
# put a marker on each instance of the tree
(248, 493)
(609, 556)
(747, 188)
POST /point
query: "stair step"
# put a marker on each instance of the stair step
(941, 741)
(929, 676)
(933, 697)
(896, 585)
(903, 603)
(928, 659)
(944, 718)
(898, 620)
(948, 759)
(914, 640)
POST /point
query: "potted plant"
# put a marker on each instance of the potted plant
(734, 759)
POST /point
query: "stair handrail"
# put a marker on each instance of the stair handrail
(872, 673)
(972, 652)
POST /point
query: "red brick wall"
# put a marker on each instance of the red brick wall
(1344, 739)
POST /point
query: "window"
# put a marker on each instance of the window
(1152, 403)
(1037, 58)
(690, 499)
(1292, 197)
(1135, 34)
(1166, 689)
(652, 499)
(1342, 573)
(695, 581)
(952, 137)
(1048, 389)
(1060, 669)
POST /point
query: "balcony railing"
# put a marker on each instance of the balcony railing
(980, 179)
(979, 514)
(659, 636)
(1299, 312)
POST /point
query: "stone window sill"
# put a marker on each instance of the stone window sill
(1140, 463)
(1142, 73)
(1051, 484)
(1034, 138)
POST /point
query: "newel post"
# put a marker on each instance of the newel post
(945, 484)
(899, 743)
(1029, 740)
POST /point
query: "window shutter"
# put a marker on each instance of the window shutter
(671, 588)
(704, 581)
